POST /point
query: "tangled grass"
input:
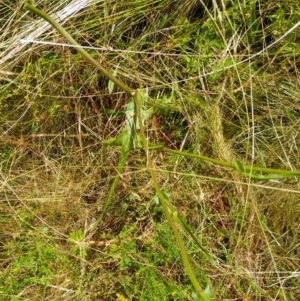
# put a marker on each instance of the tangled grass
(56, 110)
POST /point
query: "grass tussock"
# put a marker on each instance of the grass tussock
(238, 99)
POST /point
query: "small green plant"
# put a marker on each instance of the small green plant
(31, 266)
(6, 157)
(80, 248)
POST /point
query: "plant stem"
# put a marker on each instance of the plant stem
(275, 172)
(164, 202)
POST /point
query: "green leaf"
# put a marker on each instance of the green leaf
(204, 296)
(145, 113)
(156, 199)
(163, 21)
(111, 84)
(219, 68)
(125, 261)
(77, 235)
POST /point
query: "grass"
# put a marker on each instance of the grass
(55, 114)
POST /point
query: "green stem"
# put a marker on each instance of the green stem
(244, 169)
(122, 161)
(201, 157)
(164, 201)
(261, 177)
